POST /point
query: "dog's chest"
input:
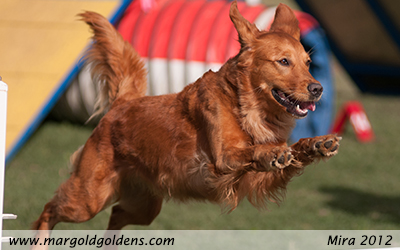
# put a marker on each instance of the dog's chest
(256, 127)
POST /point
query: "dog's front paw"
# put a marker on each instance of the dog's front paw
(275, 158)
(326, 145)
(282, 157)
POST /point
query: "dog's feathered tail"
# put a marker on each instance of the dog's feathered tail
(114, 64)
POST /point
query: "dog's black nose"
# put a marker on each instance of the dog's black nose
(315, 89)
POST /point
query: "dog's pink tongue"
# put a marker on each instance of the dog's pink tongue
(308, 105)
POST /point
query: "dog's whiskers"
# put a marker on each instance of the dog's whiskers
(258, 90)
(291, 96)
(311, 51)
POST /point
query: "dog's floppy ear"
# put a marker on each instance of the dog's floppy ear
(285, 21)
(246, 30)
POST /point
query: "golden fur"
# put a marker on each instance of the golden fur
(222, 139)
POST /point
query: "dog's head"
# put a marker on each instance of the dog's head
(277, 64)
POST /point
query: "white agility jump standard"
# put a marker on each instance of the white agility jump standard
(3, 123)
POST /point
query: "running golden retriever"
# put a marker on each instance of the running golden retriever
(222, 139)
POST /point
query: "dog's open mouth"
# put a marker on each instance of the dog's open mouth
(294, 107)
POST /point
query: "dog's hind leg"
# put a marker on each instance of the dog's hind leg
(140, 207)
(91, 188)
(73, 202)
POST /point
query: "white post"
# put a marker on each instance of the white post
(3, 118)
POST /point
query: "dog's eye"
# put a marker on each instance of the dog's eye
(284, 62)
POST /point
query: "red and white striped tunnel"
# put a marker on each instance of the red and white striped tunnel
(179, 40)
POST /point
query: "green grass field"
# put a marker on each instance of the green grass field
(357, 189)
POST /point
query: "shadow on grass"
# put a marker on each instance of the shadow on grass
(357, 202)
